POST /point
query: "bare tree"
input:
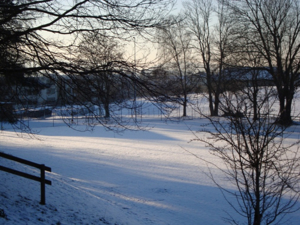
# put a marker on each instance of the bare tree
(260, 162)
(212, 42)
(175, 47)
(271, 29)
(97, 51)
(223, 37)
(199, 15)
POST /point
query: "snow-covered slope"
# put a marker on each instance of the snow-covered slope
(131, 178)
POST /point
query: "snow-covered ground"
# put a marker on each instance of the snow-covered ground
(100, 177)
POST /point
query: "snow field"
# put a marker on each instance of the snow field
(100, 177)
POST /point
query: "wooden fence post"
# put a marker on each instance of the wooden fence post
(43, 195)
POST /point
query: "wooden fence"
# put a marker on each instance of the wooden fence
(40, 179)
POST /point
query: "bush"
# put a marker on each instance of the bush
(2, 214)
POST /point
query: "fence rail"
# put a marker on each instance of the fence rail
(40, 179)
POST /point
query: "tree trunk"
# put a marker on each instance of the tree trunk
(255, 110)
(211, 106)
(255, 98)
(285, 102)
(106, 108)
(257, 213)
(210, 93)
(184, 105)
(217, 101)
(257, 216)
